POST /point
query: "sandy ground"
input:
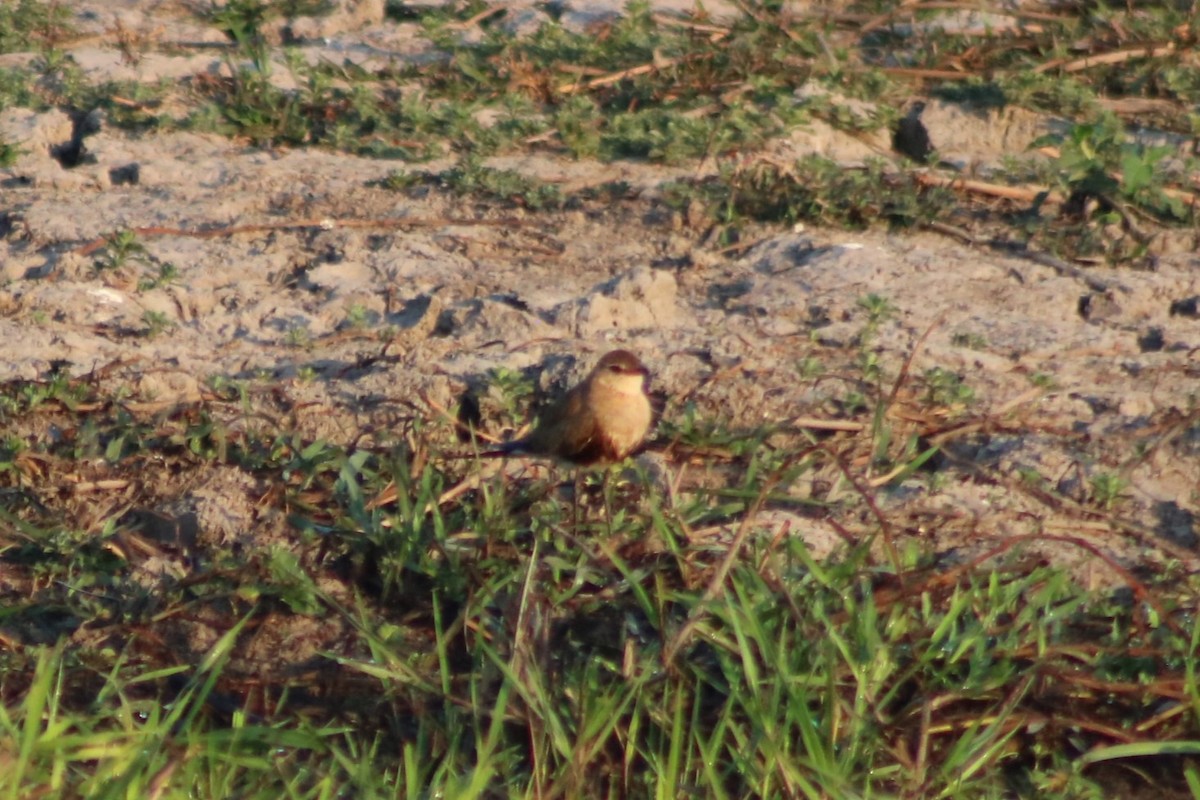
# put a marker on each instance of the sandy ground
(1073, 376)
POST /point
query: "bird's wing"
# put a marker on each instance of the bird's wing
(567, 429)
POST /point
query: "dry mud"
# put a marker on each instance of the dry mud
(307, 259)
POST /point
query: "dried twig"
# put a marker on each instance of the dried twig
(1021, 194)
(632, 72)
(818, 424)
(1113, 57)
(471, 22)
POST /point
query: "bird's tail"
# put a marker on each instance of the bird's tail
(514, 447)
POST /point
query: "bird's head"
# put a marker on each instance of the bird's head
(621, 371)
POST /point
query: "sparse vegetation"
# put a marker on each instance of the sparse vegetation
(971, 341)
(1107, 489)
(485, 184)
(8, 154)
(32, 25)
(878, 310)
(121, 249)
(380, 616)
(299, 337)
(493, 635)
(167, 273)
(649, 87)
(947, 389)
(358, 317)
(156, 323)
(511, 390)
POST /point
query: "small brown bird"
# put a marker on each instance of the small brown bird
(602, 419)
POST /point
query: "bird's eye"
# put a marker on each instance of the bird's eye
(615, 367)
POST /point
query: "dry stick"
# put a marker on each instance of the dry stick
(885, 527)
(717, 584)
(1173, 689)
(612, 77)
(1028, 195)
(783, 531)
(932, 74)
(920, 767)
(112, 484)
(1136, 105)
(1029, 719)
(324, 223)
(817, 424)
(620, 75)
(666, 19)
(857, 20)
(945, 229)
(1171, 711)
(1161, 433)
(499, 8)
(1027, 396)
(904, 369)
(748, 244)
(1114, 57)
(1016, 28)
(1063, 268)
(1150, 539)
(1023, 194)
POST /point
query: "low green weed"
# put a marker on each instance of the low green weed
(498, 640)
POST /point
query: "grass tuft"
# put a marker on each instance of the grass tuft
(394, 642)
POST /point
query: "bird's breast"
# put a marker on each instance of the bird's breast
(623, 420)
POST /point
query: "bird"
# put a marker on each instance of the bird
(603, 419)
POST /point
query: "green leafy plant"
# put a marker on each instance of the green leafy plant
(8, 154)
(472, 178)
(242, 21)
(157, 322)
(298, 337)
(945, 388)
(167, 274)
(511, 388)
(357, 317)
(25, 24)
(121, 248)
(1106, 489)
(971, 341)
